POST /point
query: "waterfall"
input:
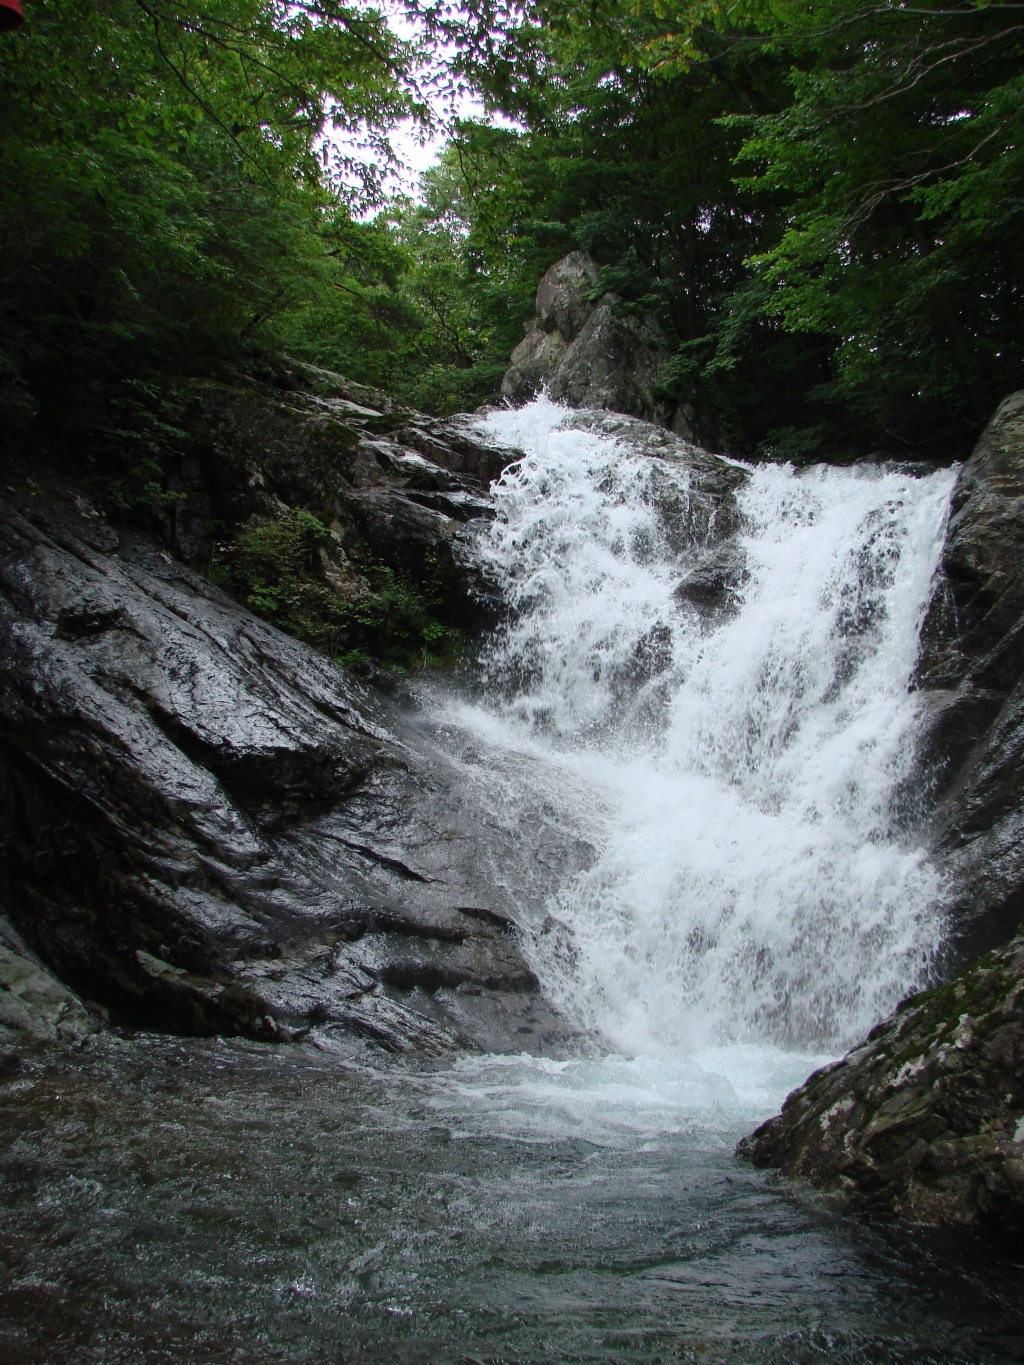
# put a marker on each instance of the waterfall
(740, 774)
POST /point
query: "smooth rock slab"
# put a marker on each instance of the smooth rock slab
(209, 827)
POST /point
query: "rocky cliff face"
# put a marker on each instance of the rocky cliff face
(926, 1119)
(588, 354)
(971, 672)
(210, 827)
(393, 487)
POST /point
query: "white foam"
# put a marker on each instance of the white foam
(703, 1098)
(751, 885)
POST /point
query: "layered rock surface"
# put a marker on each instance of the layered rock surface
(971, 672)
(926, 1119)
(208, 826)
(35, 1008)
(395, 487)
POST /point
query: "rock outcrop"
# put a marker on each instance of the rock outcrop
(590, 353)
(208, 826)
(394, 487)
(35, 1008)
(971, 672)
(926, 1119)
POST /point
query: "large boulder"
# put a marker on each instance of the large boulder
(592, 353)
(207, 826)
(395, 487)
(926, 1119)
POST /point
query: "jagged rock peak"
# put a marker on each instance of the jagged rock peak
(588, 353)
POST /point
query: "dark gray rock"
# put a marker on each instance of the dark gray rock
(926, 1119)
(209, 827)
(971, 671)
(703, 515)
(532, 364)
(591, 354)
(396, 488)
(714, 582)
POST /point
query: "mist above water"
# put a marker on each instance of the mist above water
(735, 770)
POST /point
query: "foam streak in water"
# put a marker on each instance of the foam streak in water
(752, 882)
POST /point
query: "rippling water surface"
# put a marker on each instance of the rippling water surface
(223, 1202)
(721, 880)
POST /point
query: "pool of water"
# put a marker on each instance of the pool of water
(163, 1200)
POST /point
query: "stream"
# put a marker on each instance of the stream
(726, 887)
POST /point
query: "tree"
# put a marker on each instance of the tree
(900, 158)
(166, 193)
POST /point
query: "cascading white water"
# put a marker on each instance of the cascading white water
(736, 773)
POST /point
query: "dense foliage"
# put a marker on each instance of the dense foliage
(163, 194)
(274, 566)
(821, 202)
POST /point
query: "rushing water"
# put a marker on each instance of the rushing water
(737, 773)
(739, 891)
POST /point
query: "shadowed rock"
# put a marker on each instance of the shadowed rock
(209, 827)
(971, 672)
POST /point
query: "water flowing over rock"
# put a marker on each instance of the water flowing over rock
(709, 665)
(926, 1119)
(591, 353)
(734, 771)
(971, 671)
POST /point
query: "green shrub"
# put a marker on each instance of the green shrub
(277, 568)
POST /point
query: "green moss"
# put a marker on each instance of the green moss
(276, 567)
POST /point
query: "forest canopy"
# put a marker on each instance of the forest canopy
(822, 202)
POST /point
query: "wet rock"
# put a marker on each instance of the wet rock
(926, 1119)
(397, 488)
(698, 516)
(209, 827)
(971, 672)
(591, 353)
(714, 581)
(34, 1006)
